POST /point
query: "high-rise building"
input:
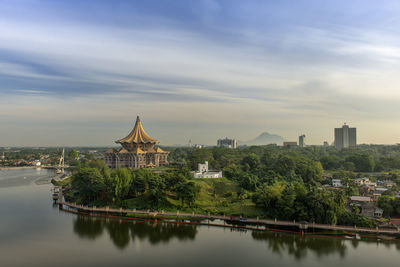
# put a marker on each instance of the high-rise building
(345, 137)
(301, 140)
(138, 151)
(231, 143)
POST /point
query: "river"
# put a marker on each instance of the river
(33, 232)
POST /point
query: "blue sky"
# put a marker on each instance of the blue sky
(78, 72)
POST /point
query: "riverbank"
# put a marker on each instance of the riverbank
(248, 223)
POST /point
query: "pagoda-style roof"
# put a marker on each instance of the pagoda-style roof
(159, 150)
(123, 151)
(138, 151)
(138, 135)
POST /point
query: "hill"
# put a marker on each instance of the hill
(264, 138)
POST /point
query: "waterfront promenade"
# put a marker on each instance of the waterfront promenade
(301, 226)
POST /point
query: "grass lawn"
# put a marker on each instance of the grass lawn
(216, 197)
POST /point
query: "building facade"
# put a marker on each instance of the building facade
(231, 143)
(345, 137)
(290, 144)
(203, 172)
(138, 151)
(302, 140)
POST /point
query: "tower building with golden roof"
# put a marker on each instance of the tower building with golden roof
(138, 151)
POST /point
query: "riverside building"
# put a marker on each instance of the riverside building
(138, 151)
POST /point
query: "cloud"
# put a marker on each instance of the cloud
(217, 66)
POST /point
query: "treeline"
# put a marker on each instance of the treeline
(282, 183)
(93, 183)
(390, 205)
(363, 158)
(285, 183)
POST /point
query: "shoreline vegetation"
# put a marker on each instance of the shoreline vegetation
(302, 228)
(265, 181)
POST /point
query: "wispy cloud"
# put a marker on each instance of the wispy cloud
(262, 64)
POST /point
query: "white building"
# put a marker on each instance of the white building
(203, 172)
(336, 183)
(362, 181)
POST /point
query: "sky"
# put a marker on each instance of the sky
(78, 72)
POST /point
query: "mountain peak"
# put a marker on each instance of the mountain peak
(264, 138)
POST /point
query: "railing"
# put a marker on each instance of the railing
(177, 214)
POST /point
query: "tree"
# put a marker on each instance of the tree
(199, 156)
(268, 196)
(232, 172)
(89, 184)
(140, 178)
(73, 155)
(349, 166)
(310, 171)
(121, 180)
(155, 193)
(248, 181)
(386, 203)
(251, 162)
(284, 165)
(331, 162)
(172, 179)
(363, 162)
(187, 192)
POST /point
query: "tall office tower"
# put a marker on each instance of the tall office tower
(301, 140)
(345, 137)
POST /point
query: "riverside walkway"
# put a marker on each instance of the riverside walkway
(302, 226)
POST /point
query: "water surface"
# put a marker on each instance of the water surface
(33, 232)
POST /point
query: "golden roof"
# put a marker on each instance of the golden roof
(159, 150)
(111, 150)
(138, 151)
(138, 135)
(123, 151)
(150, 164)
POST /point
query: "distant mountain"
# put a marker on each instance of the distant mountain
(264, 139)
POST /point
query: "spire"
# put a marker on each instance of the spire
(137, 135)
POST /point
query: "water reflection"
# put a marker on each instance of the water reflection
(298, 246)
(123, 232)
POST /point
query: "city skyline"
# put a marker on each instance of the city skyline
(78, 73)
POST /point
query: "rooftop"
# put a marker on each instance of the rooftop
(361, 199)
(138, 135)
